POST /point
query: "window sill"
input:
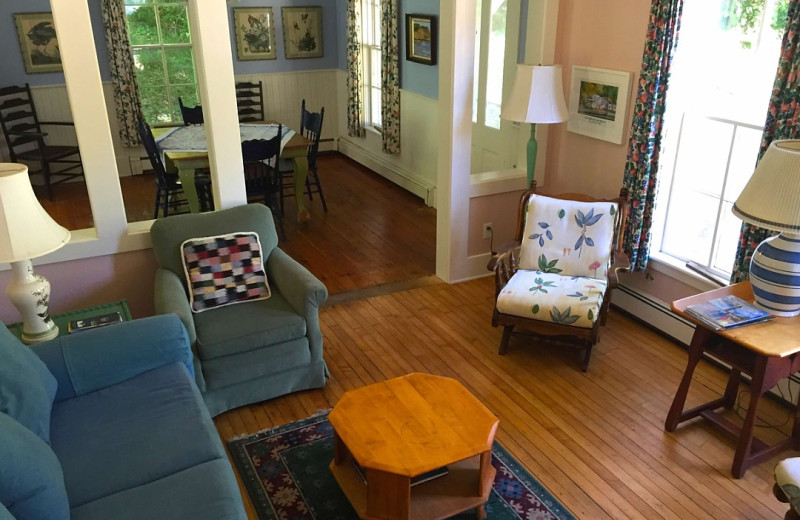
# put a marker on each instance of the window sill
(677, 269)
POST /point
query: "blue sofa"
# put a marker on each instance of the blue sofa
(109, 424)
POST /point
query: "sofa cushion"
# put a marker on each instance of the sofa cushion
(223, 270)
(551, 297)
(258, 324)
(137, 431)
(27, 387)
(31, 482)
(567, 237)
(207, 491)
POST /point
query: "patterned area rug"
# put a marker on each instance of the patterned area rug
(285, 470)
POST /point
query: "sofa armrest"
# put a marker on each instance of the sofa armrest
(304, 292)
(170, 298)
(87, 361)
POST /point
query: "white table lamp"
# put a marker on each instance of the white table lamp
(27, 231)
(537, 96)
(771, 200)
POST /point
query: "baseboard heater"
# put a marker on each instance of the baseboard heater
(657, 315)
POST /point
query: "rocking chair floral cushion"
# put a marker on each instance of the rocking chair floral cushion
(568, 262)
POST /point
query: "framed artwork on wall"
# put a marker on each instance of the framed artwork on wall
(38, 42)
(255, 33)
(302, 32)
(421, 38)
(598, 103)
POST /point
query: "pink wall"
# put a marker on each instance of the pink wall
(607, 34)
(93, 281)
(501, 211)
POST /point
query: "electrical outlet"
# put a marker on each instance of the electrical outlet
(487, 230)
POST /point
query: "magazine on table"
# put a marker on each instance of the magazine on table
(727, 312)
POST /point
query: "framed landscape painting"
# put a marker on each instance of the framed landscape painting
(421, 38)
(38, 42)
(255, 33)
(598, 102)
(302, 32)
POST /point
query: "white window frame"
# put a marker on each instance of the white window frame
(371, 61)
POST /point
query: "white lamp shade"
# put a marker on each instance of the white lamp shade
(26, 230)
(771, 198)
(537, 96)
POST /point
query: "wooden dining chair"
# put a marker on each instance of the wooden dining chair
(311, 129)
(250, 101)
(28, 144)
(260, 157)
(191, 115)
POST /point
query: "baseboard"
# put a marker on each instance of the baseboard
(398, 175)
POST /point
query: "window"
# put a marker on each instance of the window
(162, 53)
(723, 71)
(490, 32)
(371, 58)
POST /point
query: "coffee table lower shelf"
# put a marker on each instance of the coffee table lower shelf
(435, 499)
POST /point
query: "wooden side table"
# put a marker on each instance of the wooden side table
(405, 427)
(767, 351)
(63, 319)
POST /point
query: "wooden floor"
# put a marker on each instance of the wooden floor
(595, 440)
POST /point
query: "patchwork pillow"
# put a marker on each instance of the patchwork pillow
(27, 388)
(223, 270)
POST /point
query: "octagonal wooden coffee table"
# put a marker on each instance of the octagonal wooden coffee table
(394, 440)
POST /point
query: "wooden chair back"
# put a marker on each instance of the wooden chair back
(191, 115)
(250, 101)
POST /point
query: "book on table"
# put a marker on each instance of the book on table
(94, 322)
(727, 312)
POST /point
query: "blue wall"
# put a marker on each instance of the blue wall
(416, 77)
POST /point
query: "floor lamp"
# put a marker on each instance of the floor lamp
(26, 232)
(771, 200)
(536, 97)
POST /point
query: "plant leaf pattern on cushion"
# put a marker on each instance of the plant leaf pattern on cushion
(590, 315)
(563, 317)
(535, 308)
(579, 295)
(541, 285)
(584, 221)
(545, 233)
(548, 267)
(561, 213)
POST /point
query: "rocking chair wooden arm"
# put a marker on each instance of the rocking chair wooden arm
(621, 263)
(501, 253)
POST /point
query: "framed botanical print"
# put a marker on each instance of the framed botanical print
(598, 103)
(302, 32)
(38, 42)
(255, 33)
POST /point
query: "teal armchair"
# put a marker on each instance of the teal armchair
(251, 351)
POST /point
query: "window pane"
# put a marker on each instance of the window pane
(743, 160)
(702, 156)
(180, 65)
(155, 104)
(690, 227)
(187, 93)
(375, 102)
(375, 67)
(476, 70)
(142, 29)
(174, 24)
(727, 239)
(149, 67)
(496, 64)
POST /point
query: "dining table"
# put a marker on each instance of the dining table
(191, 154)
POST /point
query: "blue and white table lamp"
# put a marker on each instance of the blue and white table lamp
(537, 96)
(771, 200)
(27, 231)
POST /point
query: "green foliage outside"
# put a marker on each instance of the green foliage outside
(747, 15)
(159, 33)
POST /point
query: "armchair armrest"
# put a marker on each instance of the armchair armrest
(87, 361)
(304, 292)
(170, 298)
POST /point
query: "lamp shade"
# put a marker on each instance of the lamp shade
(26, 230)
(537, 96)
(771, 198)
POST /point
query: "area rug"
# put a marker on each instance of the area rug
(285, 471)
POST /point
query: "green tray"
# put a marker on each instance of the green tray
(63, 319)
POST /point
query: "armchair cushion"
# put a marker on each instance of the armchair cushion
(787, 477)
(31, 481)
(566, 300)
(568, 237)
(223, 270)
(27, 388)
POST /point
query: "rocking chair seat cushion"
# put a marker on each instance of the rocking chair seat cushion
(566, 300)
(573, 237)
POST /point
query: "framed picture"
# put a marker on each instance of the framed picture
(421, 38)
(598, 103)
(255, 33)
(302, 32)
(38, 42)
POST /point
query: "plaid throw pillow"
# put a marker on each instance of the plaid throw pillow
(223, 270)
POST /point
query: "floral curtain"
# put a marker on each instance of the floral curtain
(641, 167)
(390, 78)
(123, 79)
(355, 118)
(782, 123)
